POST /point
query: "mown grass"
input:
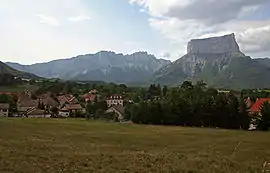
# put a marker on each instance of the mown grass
(68, 145)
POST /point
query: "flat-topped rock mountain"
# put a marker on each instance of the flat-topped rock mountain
(219, 62)
(214, 45)
(102, 66)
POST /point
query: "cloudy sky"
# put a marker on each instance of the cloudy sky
(38, 31)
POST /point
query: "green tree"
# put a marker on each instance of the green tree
(264, 120)
(122, 88)
(201, 84)
(164, 91)
(4, 98)
(128, 111)
(244, 117)
(90, 110)
(187, 85)
(233, 106)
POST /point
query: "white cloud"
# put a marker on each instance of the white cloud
(182, 20)
(255, 39)
(48, 20)
(26, 39)
(79, 18)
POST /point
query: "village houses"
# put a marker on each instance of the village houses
(69, 105)
(91, 96)
(115, 104)
(257, 106)
(4, 109)
(115, 100)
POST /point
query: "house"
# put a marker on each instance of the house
(256, 109)
(4, 109)
(115, 100)
(73, 108)
(8, 94)
(224, 91)
(91, 96)
(67, 99)
(64, 112)
(26, 104)
(93, 91)
(118, 110)
(37, 113)
(257, 106)
(248, 102)
(69, 109)
(48, 101)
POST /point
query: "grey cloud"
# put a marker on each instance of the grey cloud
(255, 40)
(213, 11)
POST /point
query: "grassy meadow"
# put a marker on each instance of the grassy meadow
(69, 145)
(18, 88)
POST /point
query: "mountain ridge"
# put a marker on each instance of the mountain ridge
(7, 70)
(107, 66)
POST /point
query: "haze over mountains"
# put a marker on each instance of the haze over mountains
(217, 60)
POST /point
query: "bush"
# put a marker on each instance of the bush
(264, 119)
(80, 114)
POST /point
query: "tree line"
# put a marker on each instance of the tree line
(190, 105)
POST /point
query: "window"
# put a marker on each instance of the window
(5, 110)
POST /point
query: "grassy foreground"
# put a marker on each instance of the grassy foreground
(68, 145)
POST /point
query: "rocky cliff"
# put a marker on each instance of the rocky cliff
(219, 62)
(214, 45)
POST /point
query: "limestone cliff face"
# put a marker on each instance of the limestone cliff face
(205, 59)
(214, 45)
(212, 53)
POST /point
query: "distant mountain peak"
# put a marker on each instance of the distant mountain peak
(219, 62)
(213, 45)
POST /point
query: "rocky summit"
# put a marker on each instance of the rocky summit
(219, 62)
(214, 45)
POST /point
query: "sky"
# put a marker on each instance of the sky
(34, 31)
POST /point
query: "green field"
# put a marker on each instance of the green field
(68, 145)
(18, 88)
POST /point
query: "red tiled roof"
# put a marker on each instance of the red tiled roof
(90, 96)
(7, 93)
(67, 99)
(74, 107)
(258, 104)
(93, 91)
